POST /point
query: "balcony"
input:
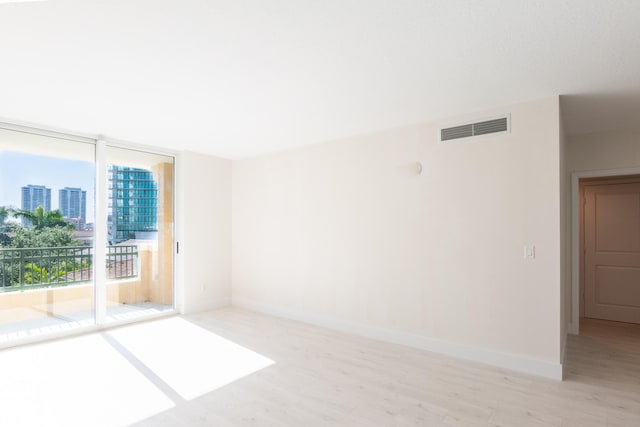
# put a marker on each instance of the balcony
(44, 288)
(32, 268)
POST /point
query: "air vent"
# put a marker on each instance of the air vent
(497, 125)
(456, 132)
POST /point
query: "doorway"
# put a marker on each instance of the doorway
(610, 248)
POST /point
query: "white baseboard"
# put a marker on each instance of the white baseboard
(494, 358)
(205, 305)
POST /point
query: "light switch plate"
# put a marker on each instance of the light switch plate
(529, 252)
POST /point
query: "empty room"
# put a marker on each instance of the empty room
(320, 213)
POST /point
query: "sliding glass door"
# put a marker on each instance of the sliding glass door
(139, 233)
(46, 234)
(61, 265)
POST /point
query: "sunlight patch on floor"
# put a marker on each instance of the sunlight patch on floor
(187, 358)
(80, 381)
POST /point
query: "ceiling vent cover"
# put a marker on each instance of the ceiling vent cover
(486, 127)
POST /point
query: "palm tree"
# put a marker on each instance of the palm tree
(4, 214)
(5, 228)
(41, 219)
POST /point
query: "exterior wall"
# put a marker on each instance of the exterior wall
(347, 234)
(162, 292)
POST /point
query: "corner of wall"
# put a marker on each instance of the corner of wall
(204, 232)
(565, 237)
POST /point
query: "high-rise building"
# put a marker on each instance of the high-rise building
(73, 204)
(34, 196)
(133, 203)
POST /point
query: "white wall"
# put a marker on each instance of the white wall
(203, 207)
(603, 150)
(346, 234)
(565, 243)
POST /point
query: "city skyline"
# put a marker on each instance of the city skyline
(33, 196)
(133, 194)
(72, 201)
(19, 170)
(133, 203)
(73, 205)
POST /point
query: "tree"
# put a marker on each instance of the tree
(49, 237)
(4, 214)
(40, 219)
(34, 274)
(6, 229)
(40, 254)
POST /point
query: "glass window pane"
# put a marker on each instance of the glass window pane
(46, 234)
(140, 233)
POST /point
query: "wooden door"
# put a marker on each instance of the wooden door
(612, 252)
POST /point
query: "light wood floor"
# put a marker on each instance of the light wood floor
(233, 367)
(325, 378)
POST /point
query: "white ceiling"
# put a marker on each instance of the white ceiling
(235, 78)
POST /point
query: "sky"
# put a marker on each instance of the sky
(20, 169)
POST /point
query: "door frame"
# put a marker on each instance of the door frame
(574, 324)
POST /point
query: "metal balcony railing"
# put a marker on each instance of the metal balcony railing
(122, 262)
(30, 268)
